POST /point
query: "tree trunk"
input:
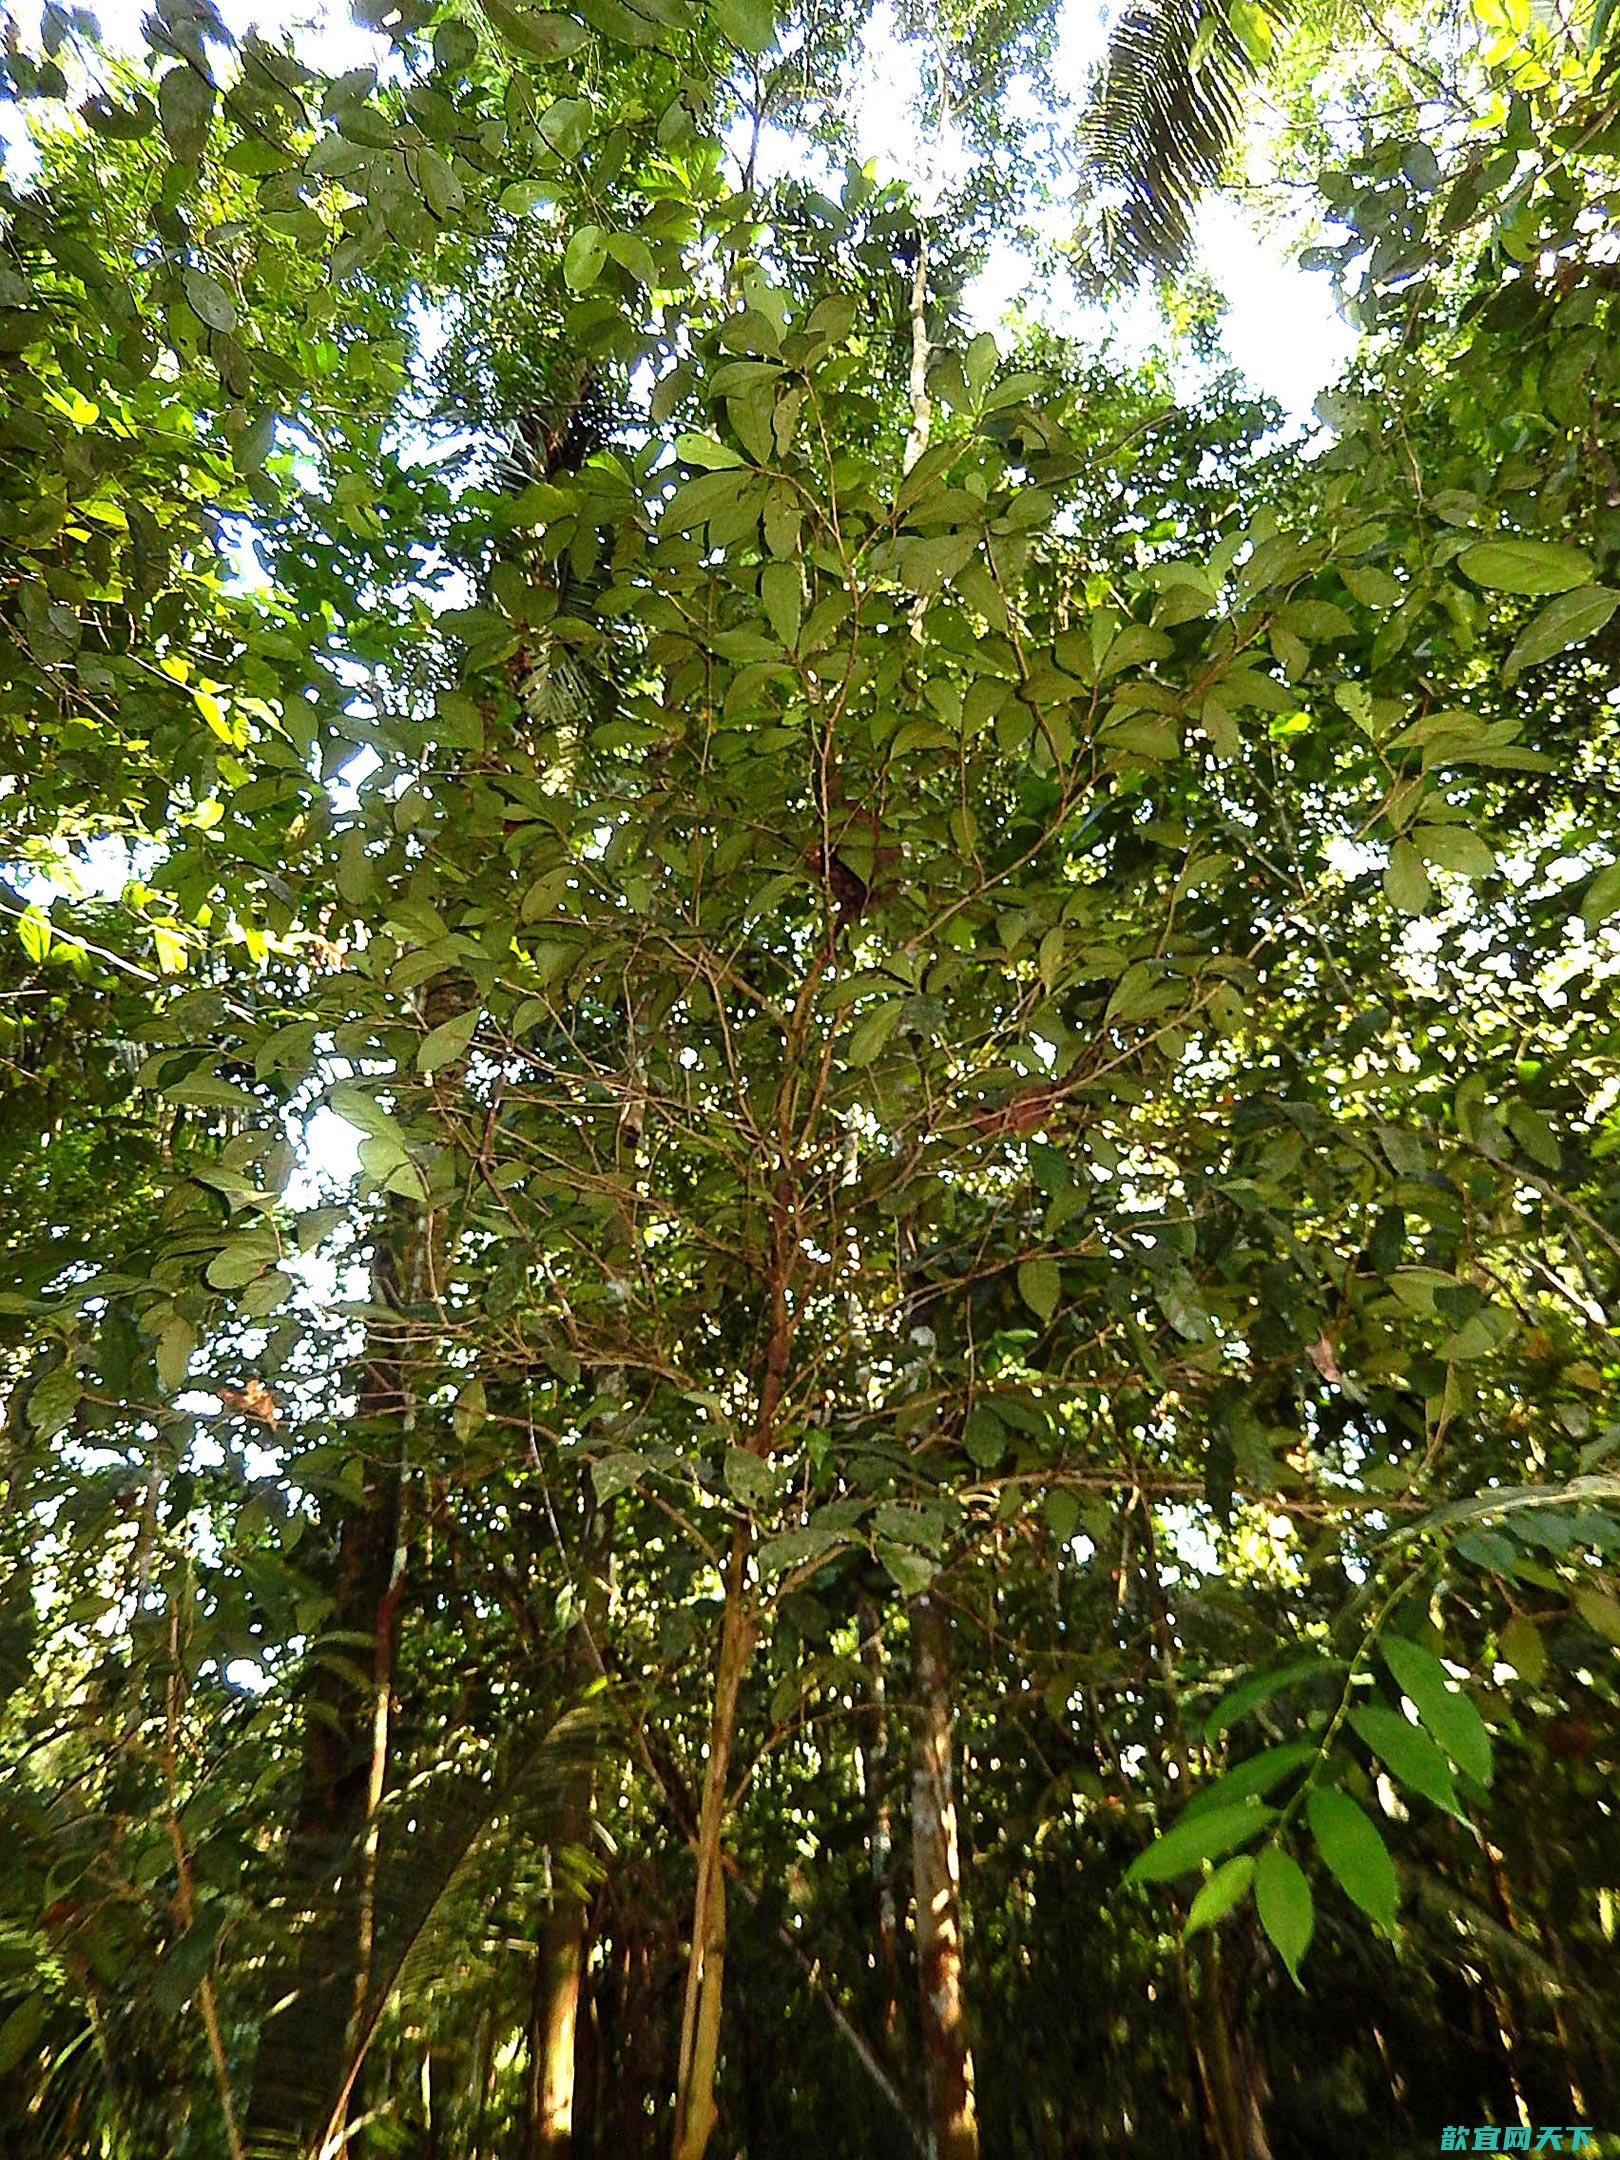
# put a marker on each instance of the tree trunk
(1236, 2090)
(559, 1964)
(561, 1938)
(874, 1757)
(695, 2109)
(953, 2123)
(325, 1918)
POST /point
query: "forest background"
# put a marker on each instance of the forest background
(937, 1470)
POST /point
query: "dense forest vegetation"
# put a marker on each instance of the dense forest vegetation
(810, 1172)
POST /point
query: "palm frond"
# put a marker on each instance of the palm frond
(1160, 124)
(448, 1855)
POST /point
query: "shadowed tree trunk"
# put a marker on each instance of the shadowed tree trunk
(325, 1918)
(1235, 2093)
(874, 1751)
(561, 1938)
(953, 2122)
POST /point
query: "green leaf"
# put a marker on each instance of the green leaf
(584, 256)
(911, 1571)
(357, 1106)
(1600, 1612)
(1455, 847)
(748, 23)
(872, 1031)
(1199, 1837)
(448, 1043)
(1525, 566)
(1410, 1755)
(616, 1473)
(634, 255)
(1535, 1135)
(781, 592)
(1061, 1508)
(1260, 1688)
(1447, 1713)
(1225, 1887)
(709, 452)
(209, 301)
(1040, 1285)
(984, 1436)
(21, 2030)
(1256, 1778)
(185, 107)
(751, 1480)
(1521, 1646)
(1602, 896)
(1282, 1898)
(1406, 882)
(1353, 1852)
(542, 33)
(54, 1400)
(1563, 622)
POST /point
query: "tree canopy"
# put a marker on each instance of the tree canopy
(810, 1110)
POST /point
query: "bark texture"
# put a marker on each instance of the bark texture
(936, 1872)
(874, 1754)
(695, 2108)
(328, 1882)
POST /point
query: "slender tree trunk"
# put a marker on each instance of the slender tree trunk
(874, 1755)
(1236, 2082)
(329, 1877)
(695, 2109)
(559, 1965)
(561, 1938)
(953, 2122)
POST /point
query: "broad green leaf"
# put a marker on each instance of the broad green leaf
(209, 300)
(448, 1043)
(1520, 1644)
(1447, 1714)
(751, 1480)
(1600, 1612)
(542, 33)
(584, 256)
(984, 1436)
(1602, 895)
(1406, 881)
(632, 254)
(709, 452)
(1223, 1890)
(1199, 1837)
(912, 1571)
(1260, 1688)
(1410, 1755)
(748, 23)
(1535, 1135)
(1282, 1899)
(1455, 847)
(53, 1401)
(357, 1106)
(1563, 622)
(872, 1031)
(22, 2029)
(1525, 566)
(1040, 1285)
(1353, 1851)
(185, 108)
(1061, 1509)
(616, 1473)
(1257, 1777)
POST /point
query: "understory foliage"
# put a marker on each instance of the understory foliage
(810, 1116)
